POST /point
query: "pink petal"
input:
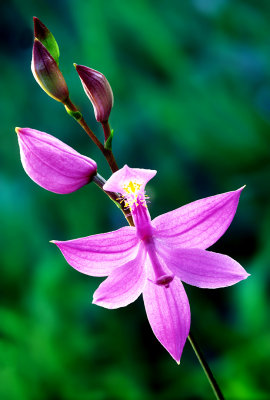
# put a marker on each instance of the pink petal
(99, 255)
(124, 285)
(168, 313)
(199, 224)
(52, 164)
(125, 175)
(202, 268)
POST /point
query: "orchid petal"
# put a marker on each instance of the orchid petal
(202, 268)
(168, 313)
(124, 285)
(120, 178)
(99, 255)
(199, 224)
(52, 164)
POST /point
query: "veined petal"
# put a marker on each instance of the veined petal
(52, 164)
(199, 224)
(168, 313)
(99, 255)
(124, 285)
(202, 268)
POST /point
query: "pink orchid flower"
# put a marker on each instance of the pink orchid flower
(153, 258)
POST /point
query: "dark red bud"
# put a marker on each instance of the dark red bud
(99, 91)
(47, 73)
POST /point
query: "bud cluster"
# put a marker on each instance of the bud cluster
(49, 162)
(45, 68)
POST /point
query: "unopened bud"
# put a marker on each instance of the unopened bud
(53, 164)
(45, 36)
(47, 73)
(99, 91)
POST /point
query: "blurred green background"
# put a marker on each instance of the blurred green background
(191, 81)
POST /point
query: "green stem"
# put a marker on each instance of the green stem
(106, 130)
(81, 121)
(206, 369)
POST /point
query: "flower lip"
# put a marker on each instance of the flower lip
(129, 180)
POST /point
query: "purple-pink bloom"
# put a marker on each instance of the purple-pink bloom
(153, 257)
(53, 164)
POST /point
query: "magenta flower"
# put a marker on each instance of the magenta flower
(53, 164)
(153, 258)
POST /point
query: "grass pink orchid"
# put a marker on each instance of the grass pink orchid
(153, 257)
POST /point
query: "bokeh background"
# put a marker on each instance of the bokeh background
(191, 81)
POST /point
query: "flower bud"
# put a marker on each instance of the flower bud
(52, 164)
(99, 91)
(43, 34)
(47, 73)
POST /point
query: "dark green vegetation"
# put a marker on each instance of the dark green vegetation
(192, 100)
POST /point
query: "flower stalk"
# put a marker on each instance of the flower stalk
(209, 375)
(106, 130)
(108, 154)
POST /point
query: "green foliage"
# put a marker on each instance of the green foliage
(192, 95)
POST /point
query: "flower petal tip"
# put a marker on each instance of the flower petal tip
(241, 277)
(101, 302)
(241, 188)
